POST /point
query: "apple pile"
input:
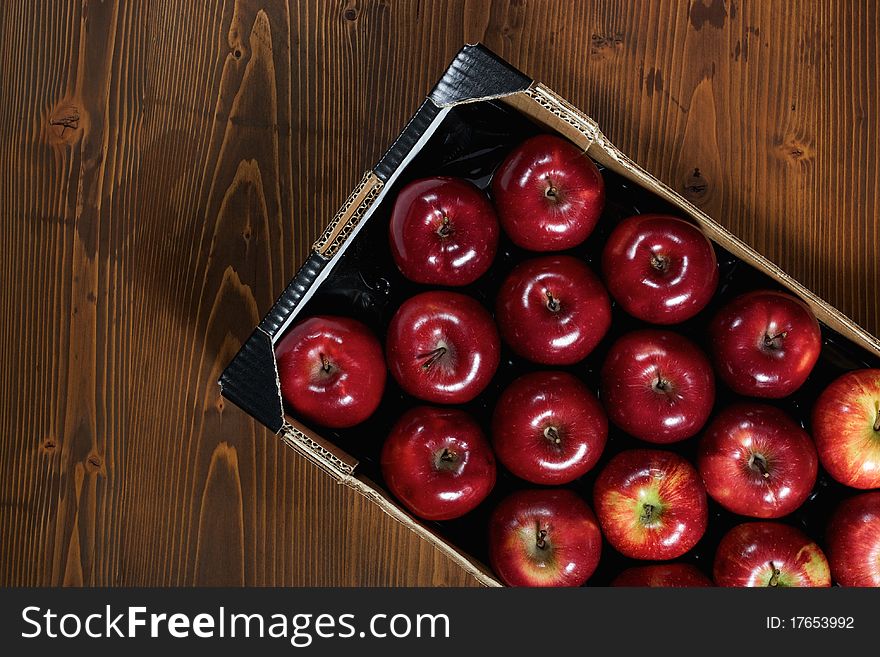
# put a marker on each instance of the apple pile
(648, 401)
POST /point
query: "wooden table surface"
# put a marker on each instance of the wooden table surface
(166, 166)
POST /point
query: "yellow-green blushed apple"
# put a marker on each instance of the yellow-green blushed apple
(651, 504)
(846, 428)
(758, 554)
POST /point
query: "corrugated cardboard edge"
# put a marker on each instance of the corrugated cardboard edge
(319, 451)
(543, 105)
(349, 215)
(549, 109)
(375, 494)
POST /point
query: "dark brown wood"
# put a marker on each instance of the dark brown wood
(164, 168)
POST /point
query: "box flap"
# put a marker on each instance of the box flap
(477, 73)
(250, 381)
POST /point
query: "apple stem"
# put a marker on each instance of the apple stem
(541, 542)
(774, 578)
(551, 190)
(432, 357)
(647, 513)
(325, 363)
(445, 461)
(551, 433)
(774, 341)
(877, 421)
(662, 385)
(445, 229)
(759, 463)
(659, 262)
(552, 302)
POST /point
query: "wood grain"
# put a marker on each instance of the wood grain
(165, 165)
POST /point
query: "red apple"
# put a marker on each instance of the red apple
(548, 428)
(442, 347)
(765, 343)
(660, 269)
(545, 537)
(331, 371)
(651, 504)
(549, 194)
(769, 554)
(846, 427)
(438, 462)
(663, 575)
(443, 231)
(657, 386)
(553, 310)
(853, 541)
(756, 461)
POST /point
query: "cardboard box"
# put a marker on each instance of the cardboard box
(478, 94)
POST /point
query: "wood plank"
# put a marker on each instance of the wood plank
(164, 168)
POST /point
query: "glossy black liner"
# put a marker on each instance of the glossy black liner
(470, 143)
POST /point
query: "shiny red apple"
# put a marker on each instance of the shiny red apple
(846, 427)
(853, 541)
(651, 504)
(663, 575)
(657, 386)
(549, 194)
(545, 537)
(548, 428)
(443, 231)
(769, 554)
(765, 343)
(553, 310)
(756, 461)
(331, 370)
(659, 268)
(438, 462)
(442, 347)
